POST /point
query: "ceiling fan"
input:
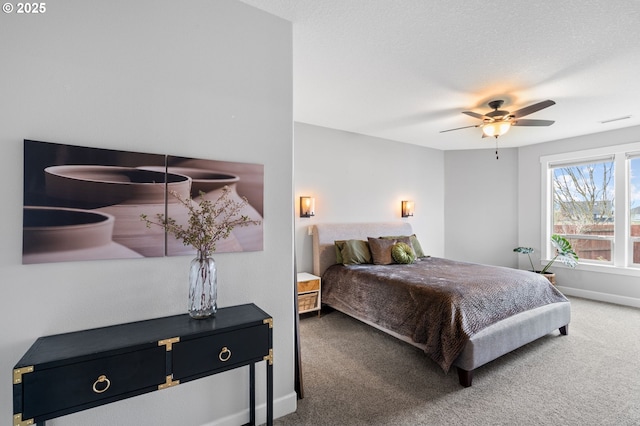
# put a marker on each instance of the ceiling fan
(498, 122)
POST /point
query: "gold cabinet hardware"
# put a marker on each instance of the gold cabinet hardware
(18, 372)
(101, 379)
(168, 342)
(269, 358)
(224, 354)
(168, 383)
(268, 321)
(17, 420)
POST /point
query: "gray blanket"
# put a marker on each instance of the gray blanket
(437, 302)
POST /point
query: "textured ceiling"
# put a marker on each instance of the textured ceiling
(405, 69)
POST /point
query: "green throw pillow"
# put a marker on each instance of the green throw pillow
(338, 245)
(403, 253)
(417, 248)
(354, 252)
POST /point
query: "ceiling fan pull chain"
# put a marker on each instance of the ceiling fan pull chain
(497, 158)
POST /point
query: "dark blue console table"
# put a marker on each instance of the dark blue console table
(71, 372)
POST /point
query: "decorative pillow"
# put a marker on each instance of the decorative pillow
(381, 250)
(417, 248)
(415, 244)
(354, 252)
(403, 253)
(338, 245)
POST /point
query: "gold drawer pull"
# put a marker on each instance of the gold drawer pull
(224, 354)
(101, 379)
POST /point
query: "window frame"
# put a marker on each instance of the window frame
(622, 243)
(632, 155)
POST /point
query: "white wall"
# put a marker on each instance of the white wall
(358, 178)
(481, 208)
(206, 79)
(610, 287)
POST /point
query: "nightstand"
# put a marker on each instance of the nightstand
(309, 289)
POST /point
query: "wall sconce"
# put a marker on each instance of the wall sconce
(307, 206)
(407, 208)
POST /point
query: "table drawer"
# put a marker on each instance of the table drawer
(60, 388)
(203, 355)
(308, 285)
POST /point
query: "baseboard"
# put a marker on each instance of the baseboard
(281, 407)
(601, 297)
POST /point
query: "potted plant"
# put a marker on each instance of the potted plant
(564, 254)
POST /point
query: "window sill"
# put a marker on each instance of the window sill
(604, 269)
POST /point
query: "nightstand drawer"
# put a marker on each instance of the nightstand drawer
(308, 285)
(61, 388)
(199, 356)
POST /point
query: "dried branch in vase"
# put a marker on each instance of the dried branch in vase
(208, 221)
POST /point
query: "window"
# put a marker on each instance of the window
(634, 208)
(593, 199)
(583, 204)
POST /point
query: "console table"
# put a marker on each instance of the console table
(71, 372)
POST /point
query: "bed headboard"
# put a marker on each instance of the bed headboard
(325, 234)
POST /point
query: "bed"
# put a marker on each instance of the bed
(438, 304)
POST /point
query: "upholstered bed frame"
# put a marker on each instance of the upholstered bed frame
(483, 347)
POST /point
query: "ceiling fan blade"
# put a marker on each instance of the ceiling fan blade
(528, 122)
(475, 115)
(458, 128)
(532, 108)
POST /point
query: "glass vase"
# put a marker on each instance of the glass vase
(203, 287)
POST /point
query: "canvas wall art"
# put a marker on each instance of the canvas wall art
(84, 203)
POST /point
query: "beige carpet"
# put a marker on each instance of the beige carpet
(356, 375)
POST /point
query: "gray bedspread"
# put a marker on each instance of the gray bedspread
(437, 302)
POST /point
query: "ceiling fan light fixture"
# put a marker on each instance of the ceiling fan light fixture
(496, 128)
